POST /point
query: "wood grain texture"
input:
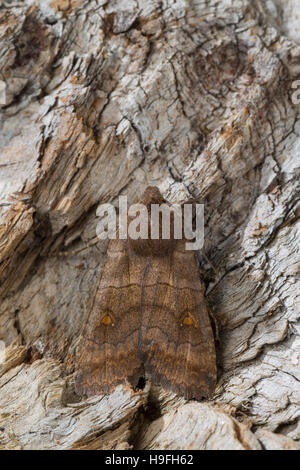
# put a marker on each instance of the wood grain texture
(103, 99)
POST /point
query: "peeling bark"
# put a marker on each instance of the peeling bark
(100, 99)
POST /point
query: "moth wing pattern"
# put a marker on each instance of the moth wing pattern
(177, 345)
(108, 351)
(149, 316)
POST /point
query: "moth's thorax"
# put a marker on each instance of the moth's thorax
(149, 247)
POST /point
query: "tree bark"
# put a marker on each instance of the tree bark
(100, 99)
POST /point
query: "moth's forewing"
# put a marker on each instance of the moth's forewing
(177, 345)
(108, 352)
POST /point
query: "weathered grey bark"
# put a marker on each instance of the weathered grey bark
(102, 99)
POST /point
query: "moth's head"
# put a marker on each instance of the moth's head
(152, 195)
(152, 247)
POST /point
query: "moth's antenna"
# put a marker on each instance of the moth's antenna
(209, 262)
(194, 200)
(89, 244)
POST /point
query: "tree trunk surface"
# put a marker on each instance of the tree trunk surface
(100, 99)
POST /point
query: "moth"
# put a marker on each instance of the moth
(149, 318)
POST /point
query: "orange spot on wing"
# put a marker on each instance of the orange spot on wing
(106, 320)
(189, 321)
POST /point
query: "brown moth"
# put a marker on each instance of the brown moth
(149, 317)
